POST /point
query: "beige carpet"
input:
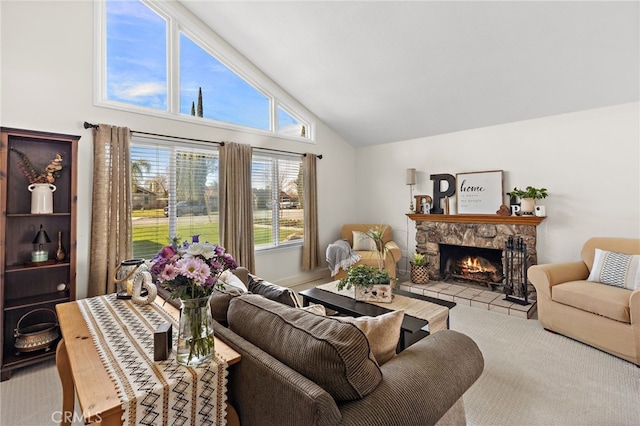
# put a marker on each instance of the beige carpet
(534, 377)
(531, 377)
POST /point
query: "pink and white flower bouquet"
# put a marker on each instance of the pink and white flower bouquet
(191, 270)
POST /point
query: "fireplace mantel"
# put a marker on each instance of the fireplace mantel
(477, 218)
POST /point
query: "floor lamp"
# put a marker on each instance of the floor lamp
(411, 180)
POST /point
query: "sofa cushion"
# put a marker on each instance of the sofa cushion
(383, 333)
(316, 309)
(617, 269)
(369, 258)
(230, 279)
(361, 241)
(333, 354)
(280, 294)
(219, 302)
(608, 301)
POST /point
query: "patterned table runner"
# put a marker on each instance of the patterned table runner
(153, 392)
(436, 314)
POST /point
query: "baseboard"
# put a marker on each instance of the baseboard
(301, 279)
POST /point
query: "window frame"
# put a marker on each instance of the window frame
(180, 20)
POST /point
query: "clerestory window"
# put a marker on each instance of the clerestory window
(211, 90)
(157, 61)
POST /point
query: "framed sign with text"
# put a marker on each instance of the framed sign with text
(479, 192)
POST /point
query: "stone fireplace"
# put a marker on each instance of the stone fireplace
(469, 249)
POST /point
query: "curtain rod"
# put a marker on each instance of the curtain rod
(88, 125)
(319, 157)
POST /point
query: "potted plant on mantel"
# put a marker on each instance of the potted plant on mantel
(370, 284)
(419, 269)
(527, 197)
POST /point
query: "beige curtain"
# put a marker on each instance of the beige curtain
(111, 209)
(236, 203)
(311, 258)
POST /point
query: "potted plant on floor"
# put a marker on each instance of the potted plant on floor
(527, 197)
(419, 270)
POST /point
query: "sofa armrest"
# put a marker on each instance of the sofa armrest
(543, 277)
(393, 252)
(420, 384)
(264, 391)
(634, 313)
(634, 308)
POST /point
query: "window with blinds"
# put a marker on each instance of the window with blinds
(174, 194)
(278, 194)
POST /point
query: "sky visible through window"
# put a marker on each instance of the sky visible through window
(225, 96)
(137, 72)
(136, 55)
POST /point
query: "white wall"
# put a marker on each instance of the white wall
(589, 161)
(47, 54)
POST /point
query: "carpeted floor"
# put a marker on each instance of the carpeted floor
(531, 377)
(534, 377)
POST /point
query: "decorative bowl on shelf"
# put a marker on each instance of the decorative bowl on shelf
(37, 336)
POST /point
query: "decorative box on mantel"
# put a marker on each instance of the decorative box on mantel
(473, 230)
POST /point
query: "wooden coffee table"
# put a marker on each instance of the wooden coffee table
(412, 328)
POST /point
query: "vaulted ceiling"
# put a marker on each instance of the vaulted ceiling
(378, 72)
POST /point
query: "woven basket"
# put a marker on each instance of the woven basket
(419, 274)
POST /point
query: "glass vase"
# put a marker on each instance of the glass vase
(195, 332)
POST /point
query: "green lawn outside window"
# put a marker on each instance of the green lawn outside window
(149, 239)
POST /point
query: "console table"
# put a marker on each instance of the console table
(82, 372)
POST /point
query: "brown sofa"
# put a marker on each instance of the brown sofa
(603, 316)
(392, 253)
(298, 368)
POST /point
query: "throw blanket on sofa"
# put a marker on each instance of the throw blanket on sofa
(340, 255)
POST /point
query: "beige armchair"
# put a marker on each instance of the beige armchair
(599, 315)
(392, 252)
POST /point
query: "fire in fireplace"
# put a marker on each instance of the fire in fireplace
(471, 264)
